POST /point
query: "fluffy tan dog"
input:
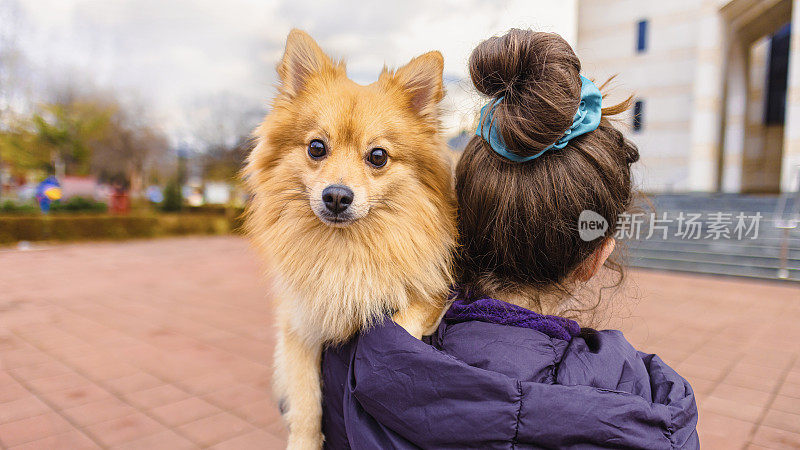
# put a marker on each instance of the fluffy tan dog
(352, 209)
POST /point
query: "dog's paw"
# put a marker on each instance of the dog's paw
(305, 441)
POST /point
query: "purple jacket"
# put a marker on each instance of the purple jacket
(502, 377)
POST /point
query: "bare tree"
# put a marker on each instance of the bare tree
(130, 148)
(223, 124)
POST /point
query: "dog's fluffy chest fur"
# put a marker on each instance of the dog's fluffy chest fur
(331, 286)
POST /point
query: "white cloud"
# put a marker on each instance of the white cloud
(173, 52)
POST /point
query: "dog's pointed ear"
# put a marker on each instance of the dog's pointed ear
(301, 59)
(421, 78)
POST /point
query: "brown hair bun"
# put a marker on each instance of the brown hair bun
(538, 77)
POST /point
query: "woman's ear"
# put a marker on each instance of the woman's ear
(595, 261)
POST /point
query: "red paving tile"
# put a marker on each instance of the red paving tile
(262, 413)
(204, 384)
(184, 411)
(133, 383)
(721, 428)
(784, 420)
(6, 379)
(32, 428)
(76, 396)
(236, 396)
(45, 370)
(22, 357)
(786, 404)
(254, 439)
(98, 411)
(57, 382)
(741, 395)
(100, 369)
(168, 344)
(73, 440)
(164, 440)
(732, 408)
(12, 391)
(214, 429)
(124, 429)
(22, 408)
(157, 396)
(776, 438)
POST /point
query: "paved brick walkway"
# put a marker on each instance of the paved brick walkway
(166, 344)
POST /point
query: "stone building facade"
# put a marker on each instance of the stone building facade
(716, 85)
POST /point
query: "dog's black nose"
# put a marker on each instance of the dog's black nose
(337, 198)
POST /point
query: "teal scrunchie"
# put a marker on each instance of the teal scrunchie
(586, 119)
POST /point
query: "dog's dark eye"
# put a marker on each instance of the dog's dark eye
(378, 157)
(316, 149)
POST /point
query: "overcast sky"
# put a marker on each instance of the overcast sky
(171, 54)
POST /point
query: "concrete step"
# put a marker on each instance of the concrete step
(767, 262)
(766, 204)
(736, 249)
(758, 258)
(716, 268)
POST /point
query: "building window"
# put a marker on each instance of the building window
(638, 115)
(777, 76)
(641, 36)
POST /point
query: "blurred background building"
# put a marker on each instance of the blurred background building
(717, 88)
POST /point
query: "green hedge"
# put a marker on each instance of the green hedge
(14, 228)
(79, 204)
(71, 205)
(10, 207)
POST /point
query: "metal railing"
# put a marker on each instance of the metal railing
(787, 216)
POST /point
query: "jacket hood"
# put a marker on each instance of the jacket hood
(487, 385)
